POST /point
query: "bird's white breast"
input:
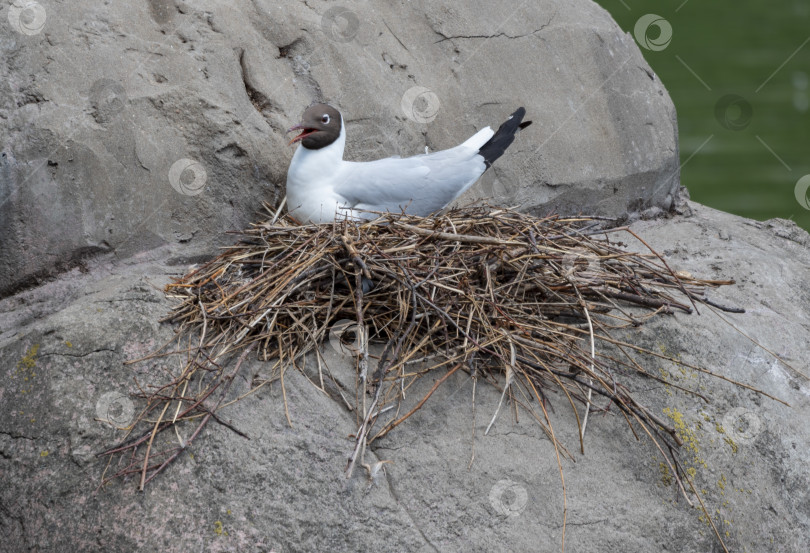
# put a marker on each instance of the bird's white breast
(311, 196)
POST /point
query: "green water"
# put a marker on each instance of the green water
(744, 153)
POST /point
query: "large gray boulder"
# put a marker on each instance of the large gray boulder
(62, 348)
(134, 134)
(130, 125)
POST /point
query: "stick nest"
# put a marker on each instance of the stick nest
(531, 304)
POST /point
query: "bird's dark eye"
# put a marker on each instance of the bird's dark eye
(325, 119)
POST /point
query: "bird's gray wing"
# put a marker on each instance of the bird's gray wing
(418, 185)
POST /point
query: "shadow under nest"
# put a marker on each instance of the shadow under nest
(490, 291)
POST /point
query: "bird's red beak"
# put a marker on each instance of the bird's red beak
(299, 127)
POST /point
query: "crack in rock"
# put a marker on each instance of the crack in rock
(14, 436)
(394, 494)
(497, 35)
(61, 354)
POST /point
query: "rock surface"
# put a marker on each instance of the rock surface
(134, 133)
(63, 344)
(130, 125)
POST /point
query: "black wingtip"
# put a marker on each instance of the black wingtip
(503, 137)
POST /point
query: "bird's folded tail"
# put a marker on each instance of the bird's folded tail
(503, 137)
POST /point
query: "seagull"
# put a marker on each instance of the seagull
(322, 186)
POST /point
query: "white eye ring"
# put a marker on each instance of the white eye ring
(325, 119)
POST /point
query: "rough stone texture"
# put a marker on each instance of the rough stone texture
(63, 344)
(99, 105)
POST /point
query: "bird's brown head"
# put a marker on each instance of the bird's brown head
(320, 126)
